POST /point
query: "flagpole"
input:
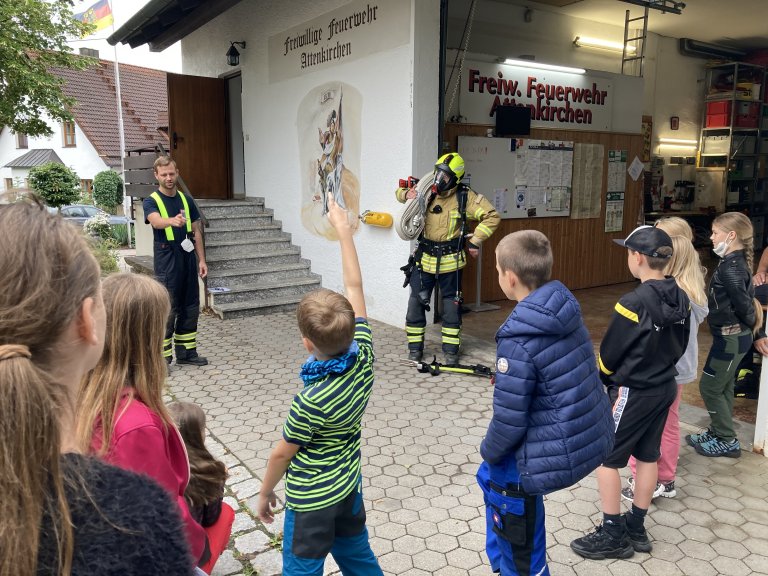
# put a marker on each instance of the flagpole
(121, 129)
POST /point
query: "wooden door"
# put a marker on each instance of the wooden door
(197, 126)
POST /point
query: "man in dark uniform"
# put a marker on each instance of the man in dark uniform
(175, 223)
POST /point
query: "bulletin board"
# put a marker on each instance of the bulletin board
(523, 178)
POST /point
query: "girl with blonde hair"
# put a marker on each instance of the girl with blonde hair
(121, 415)
(734, 314)
(685, 267)
(60, 512)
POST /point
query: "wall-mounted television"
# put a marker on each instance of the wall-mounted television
(513, 121)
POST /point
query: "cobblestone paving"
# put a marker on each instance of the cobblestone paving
(420, 453)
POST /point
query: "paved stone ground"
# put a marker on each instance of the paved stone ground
(420, 454)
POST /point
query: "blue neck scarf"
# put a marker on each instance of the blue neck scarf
(313, 371)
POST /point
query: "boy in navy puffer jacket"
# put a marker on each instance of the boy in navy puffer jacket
(551, 423)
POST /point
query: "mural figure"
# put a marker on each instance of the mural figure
(334, 163)
(330, 164)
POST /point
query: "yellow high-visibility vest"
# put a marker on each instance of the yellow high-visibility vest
(164, 213)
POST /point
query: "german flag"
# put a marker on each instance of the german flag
(99, 14)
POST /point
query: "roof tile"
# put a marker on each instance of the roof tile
(144, 97)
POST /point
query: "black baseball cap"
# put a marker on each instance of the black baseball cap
(647, 240)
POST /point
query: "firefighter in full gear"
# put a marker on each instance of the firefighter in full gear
(179, 257)
(439, 256)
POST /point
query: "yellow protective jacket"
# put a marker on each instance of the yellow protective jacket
(445, 226)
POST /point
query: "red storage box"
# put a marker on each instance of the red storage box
(718, 120)
(721, 107)
(747, 114)
(743, 121)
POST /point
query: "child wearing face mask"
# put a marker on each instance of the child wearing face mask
(734, 316)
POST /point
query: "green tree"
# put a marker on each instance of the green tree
(33, 35)
(108, 190)
(56, 184)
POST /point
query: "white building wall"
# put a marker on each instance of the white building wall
(8, 152)
(678, 90)
(398, 128)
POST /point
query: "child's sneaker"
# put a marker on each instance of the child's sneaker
(700, 438)
(638, 537)
(628, 493)
(667, 490)
(601, 544)
(717, 447)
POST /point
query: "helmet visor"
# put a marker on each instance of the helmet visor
(444, 181)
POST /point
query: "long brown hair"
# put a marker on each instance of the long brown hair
(207, 475)
(137, 309)
(48, 271)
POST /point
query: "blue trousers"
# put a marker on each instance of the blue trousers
(515, 538)
(339, 529)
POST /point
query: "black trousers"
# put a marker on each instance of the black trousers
(421, 287)
(177, 270)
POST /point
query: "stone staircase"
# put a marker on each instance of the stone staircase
(249, 255)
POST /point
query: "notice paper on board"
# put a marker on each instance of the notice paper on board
(635, 169)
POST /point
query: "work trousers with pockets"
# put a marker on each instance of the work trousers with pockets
(718, 377)
(421, 286)
(515, 538)
(177, 270)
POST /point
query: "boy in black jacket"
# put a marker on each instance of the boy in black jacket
(645, 338)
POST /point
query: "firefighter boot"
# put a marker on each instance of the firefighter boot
(184, 356)
(186, 349)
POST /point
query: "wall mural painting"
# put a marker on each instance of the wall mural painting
(328, 125)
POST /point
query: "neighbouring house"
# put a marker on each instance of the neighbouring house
(91, 143)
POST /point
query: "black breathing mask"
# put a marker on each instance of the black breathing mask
(444, 181)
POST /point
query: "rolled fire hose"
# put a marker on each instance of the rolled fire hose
(410, 222)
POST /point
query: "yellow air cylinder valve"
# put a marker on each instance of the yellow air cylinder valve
(380, 219)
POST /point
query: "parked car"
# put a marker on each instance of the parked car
(79, 213)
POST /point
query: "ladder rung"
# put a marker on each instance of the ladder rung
(635, 19)
(632, 58)
(635, 38)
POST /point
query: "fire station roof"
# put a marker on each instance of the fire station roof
(161, 23)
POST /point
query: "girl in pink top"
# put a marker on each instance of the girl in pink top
(121, 414)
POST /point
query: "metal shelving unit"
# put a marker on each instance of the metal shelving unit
(734, 137)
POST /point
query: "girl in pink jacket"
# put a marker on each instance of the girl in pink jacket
(121, 414)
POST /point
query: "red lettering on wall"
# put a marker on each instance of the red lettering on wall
(553, 102)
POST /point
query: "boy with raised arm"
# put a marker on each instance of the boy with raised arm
(320, 448)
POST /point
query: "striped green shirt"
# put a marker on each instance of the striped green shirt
(325, 421)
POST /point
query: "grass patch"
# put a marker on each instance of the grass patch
(276, 541)
(120, 234)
